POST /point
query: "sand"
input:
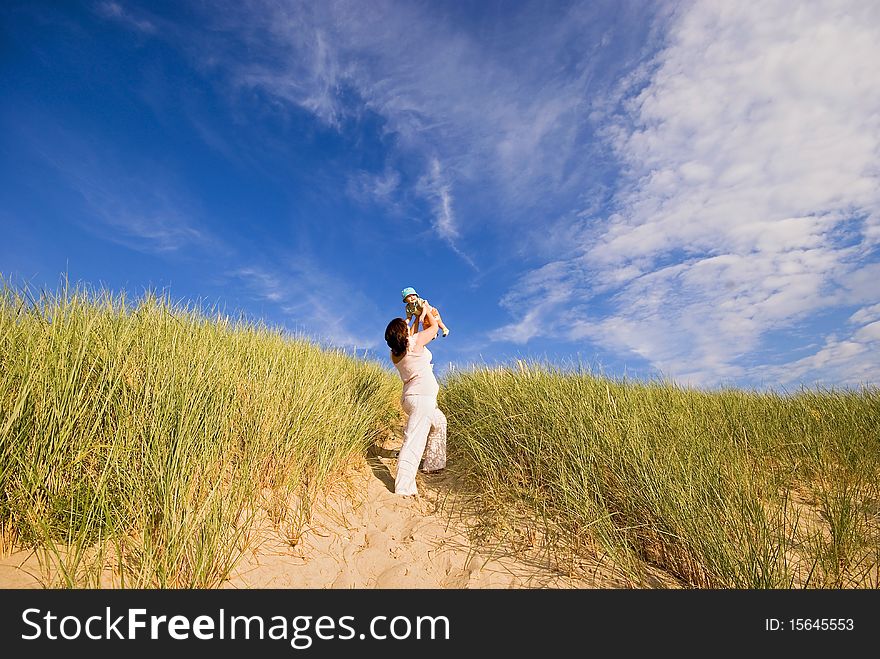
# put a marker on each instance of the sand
(362, 535)
(376, 539)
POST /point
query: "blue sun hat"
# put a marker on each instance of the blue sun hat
(409, 290)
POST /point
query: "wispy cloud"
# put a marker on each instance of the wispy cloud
(264, 284)
(314, 302)
(117, 12)
(435, 186)
(710, 171)
(494, 115)
(147, 220)
(751, 193)
(128, 202)
(849, 358)
(376, 188)
(439, 190)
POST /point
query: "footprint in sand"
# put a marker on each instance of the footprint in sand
(376, 539)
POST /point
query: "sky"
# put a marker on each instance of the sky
(687, 191)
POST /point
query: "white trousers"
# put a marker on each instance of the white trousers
(425, 432)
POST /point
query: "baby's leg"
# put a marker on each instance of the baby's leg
(437, 317)
(436, 314)
(426, 321)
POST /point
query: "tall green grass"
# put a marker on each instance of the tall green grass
(726, 489)
(135, 438)
(138, 439)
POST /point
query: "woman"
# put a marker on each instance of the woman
(425, 430)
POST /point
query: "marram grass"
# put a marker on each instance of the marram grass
(726, 489)
(136, 438)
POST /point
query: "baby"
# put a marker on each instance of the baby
(418, 308)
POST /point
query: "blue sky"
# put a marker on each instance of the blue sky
(683, 190)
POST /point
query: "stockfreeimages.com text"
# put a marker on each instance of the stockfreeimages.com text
(300, 631)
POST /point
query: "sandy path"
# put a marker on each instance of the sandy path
(369, 537)
(365, 536)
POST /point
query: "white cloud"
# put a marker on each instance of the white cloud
(866, 314)
(748, 199)
(751, 192)
(115, 11)
(441, 193)
(141, 219)
(850, 360)
(435, 187)
(267, 285)
(318, 304)
(495, 113)
(382, 188)
(132, 203)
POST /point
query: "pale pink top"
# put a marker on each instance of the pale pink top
(417, 371)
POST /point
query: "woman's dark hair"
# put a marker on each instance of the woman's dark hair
(396, 336)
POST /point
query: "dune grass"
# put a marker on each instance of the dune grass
(141, 440)
(136, 438)
(725, 489)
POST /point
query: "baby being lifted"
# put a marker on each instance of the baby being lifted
(417, 308)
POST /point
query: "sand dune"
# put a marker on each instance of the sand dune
(365, 536)
(368, 537)
(362, 535)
